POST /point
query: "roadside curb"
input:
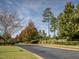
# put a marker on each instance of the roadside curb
(39, 57)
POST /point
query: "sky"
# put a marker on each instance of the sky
(33, 9)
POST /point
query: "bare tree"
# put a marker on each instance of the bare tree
(9, 22)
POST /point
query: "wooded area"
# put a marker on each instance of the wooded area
(66, 23)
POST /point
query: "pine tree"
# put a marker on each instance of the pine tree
(65, 22)
(47, 18)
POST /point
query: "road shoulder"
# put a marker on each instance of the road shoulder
(66, 47)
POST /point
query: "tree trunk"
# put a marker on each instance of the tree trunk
(54, 29)
(49, 28)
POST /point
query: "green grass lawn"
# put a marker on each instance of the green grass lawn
(14, 52)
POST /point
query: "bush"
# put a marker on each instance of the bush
(62, 42)
(50, 41)
(34, 41)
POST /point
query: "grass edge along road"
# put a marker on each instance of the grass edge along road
(14, 52)
(66, 47)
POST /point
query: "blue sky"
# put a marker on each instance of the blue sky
(33, 9)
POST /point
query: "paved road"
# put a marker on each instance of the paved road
(51, 53)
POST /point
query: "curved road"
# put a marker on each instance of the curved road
(51, 53)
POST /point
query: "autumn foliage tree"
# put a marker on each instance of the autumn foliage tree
(22, 35)
(29, 33)
(17, 38)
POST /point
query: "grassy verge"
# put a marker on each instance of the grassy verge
(60, 42)
(66, 47)
(14, 52)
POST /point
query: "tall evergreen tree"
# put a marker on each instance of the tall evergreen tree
(53, 24)
(77, 14)
(47, 18)
(65, 22)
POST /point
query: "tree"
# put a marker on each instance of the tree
(65, 22)
(68, 22)
(22, 36)
(61, 26)
(31, 31)
(77, 14)
(42, 34)
(7, 38)
(76, 23)
(9, 22)
(69, 8)
(47, 18)
(17, 38)
(53, 25)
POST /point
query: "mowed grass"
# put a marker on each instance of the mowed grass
(14, 52)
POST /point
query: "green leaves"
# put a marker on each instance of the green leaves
(50, 19)
(53, 24)
(67, 22)
(68, 8)
(47, 14)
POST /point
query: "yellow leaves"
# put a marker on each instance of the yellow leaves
(29, 32)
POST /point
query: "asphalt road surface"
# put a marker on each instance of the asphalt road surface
(51, 53)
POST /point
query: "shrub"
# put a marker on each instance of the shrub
(62, 42)
(34, 41)
(66, 42)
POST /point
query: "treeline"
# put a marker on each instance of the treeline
(66, 23)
